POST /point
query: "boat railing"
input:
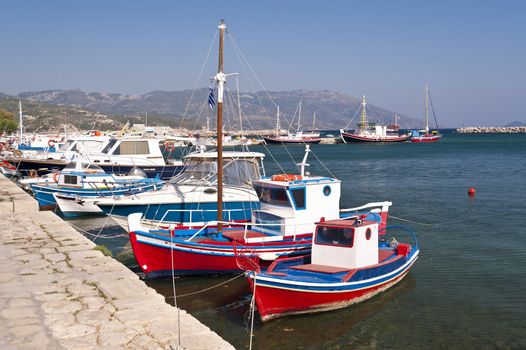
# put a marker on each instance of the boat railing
(191, 224)
(405, 230)
(249, 225)
(367, 206)
(119, 188)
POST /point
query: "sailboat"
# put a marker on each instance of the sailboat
(370, 132)
(425, 135)
(295, 137)
(290, 205)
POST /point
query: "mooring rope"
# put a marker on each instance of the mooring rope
(252, 311)
(411, 221)
(208, 288)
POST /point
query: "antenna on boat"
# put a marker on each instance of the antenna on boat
(304, 163)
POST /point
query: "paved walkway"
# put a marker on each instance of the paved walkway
(57, 292)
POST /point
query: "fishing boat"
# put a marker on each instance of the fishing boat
(425, 135)
(72, 188)
(283, 226)
(37, 164)
(189, 199)
(297, 137)
(350, 263)
(118, 156)
(370, 132)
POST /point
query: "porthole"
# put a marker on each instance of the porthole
(327, 190)
(368, 234)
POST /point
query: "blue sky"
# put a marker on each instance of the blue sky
(471, 53)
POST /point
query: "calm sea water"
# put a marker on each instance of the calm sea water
(468, 288)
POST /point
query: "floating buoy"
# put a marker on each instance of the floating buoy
(471, 191)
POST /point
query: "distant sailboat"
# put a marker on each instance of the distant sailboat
(425, 135)
(295, 137)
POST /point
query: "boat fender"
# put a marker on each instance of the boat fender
(55, 177)
(286, 177)
(33, 173)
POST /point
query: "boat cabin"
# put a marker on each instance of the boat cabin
(130, 151)
(75, 174)
(348, 244)
(292, 204)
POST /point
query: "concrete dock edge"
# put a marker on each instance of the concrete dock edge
(57, 292)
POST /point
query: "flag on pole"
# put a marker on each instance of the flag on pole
(211, 98)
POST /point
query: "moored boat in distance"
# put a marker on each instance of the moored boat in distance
(349, 264)
(297, 137)
(425, 135)
(369, 132)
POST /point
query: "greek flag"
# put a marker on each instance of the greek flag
(211, 98)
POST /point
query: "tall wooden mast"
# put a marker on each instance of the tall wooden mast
(220, 79)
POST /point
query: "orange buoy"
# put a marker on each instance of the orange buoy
(471, 191)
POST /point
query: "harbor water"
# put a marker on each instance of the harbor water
(468, 288)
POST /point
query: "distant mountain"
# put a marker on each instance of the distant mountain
(515, 123)
(333, 109)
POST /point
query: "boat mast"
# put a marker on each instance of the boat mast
(427, 109)
(278, 127)
(364, 116)
(220, 79)
(314, 121)
(21, 121)
(299, 117)
(239, 108)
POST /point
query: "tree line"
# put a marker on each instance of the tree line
(7, 122)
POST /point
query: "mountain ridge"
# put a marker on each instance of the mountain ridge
(333, 109)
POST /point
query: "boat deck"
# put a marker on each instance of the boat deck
(324, 273)
(241, 235)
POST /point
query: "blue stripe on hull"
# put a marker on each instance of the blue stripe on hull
(44, 195)
(201, 212)
(350, 286)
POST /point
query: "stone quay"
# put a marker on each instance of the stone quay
(58, 292)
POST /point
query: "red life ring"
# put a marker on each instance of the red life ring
(286, 177)
(51, 143)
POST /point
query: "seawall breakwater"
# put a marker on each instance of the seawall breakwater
(492, 130)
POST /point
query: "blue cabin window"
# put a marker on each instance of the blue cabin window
(327, 190)
(335, 236)
(298, 195)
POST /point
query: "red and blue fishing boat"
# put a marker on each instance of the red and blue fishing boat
(350, 263)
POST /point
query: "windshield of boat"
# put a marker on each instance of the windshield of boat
(66, 145)
(236, 172)
(335, 236)
(273, 196)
